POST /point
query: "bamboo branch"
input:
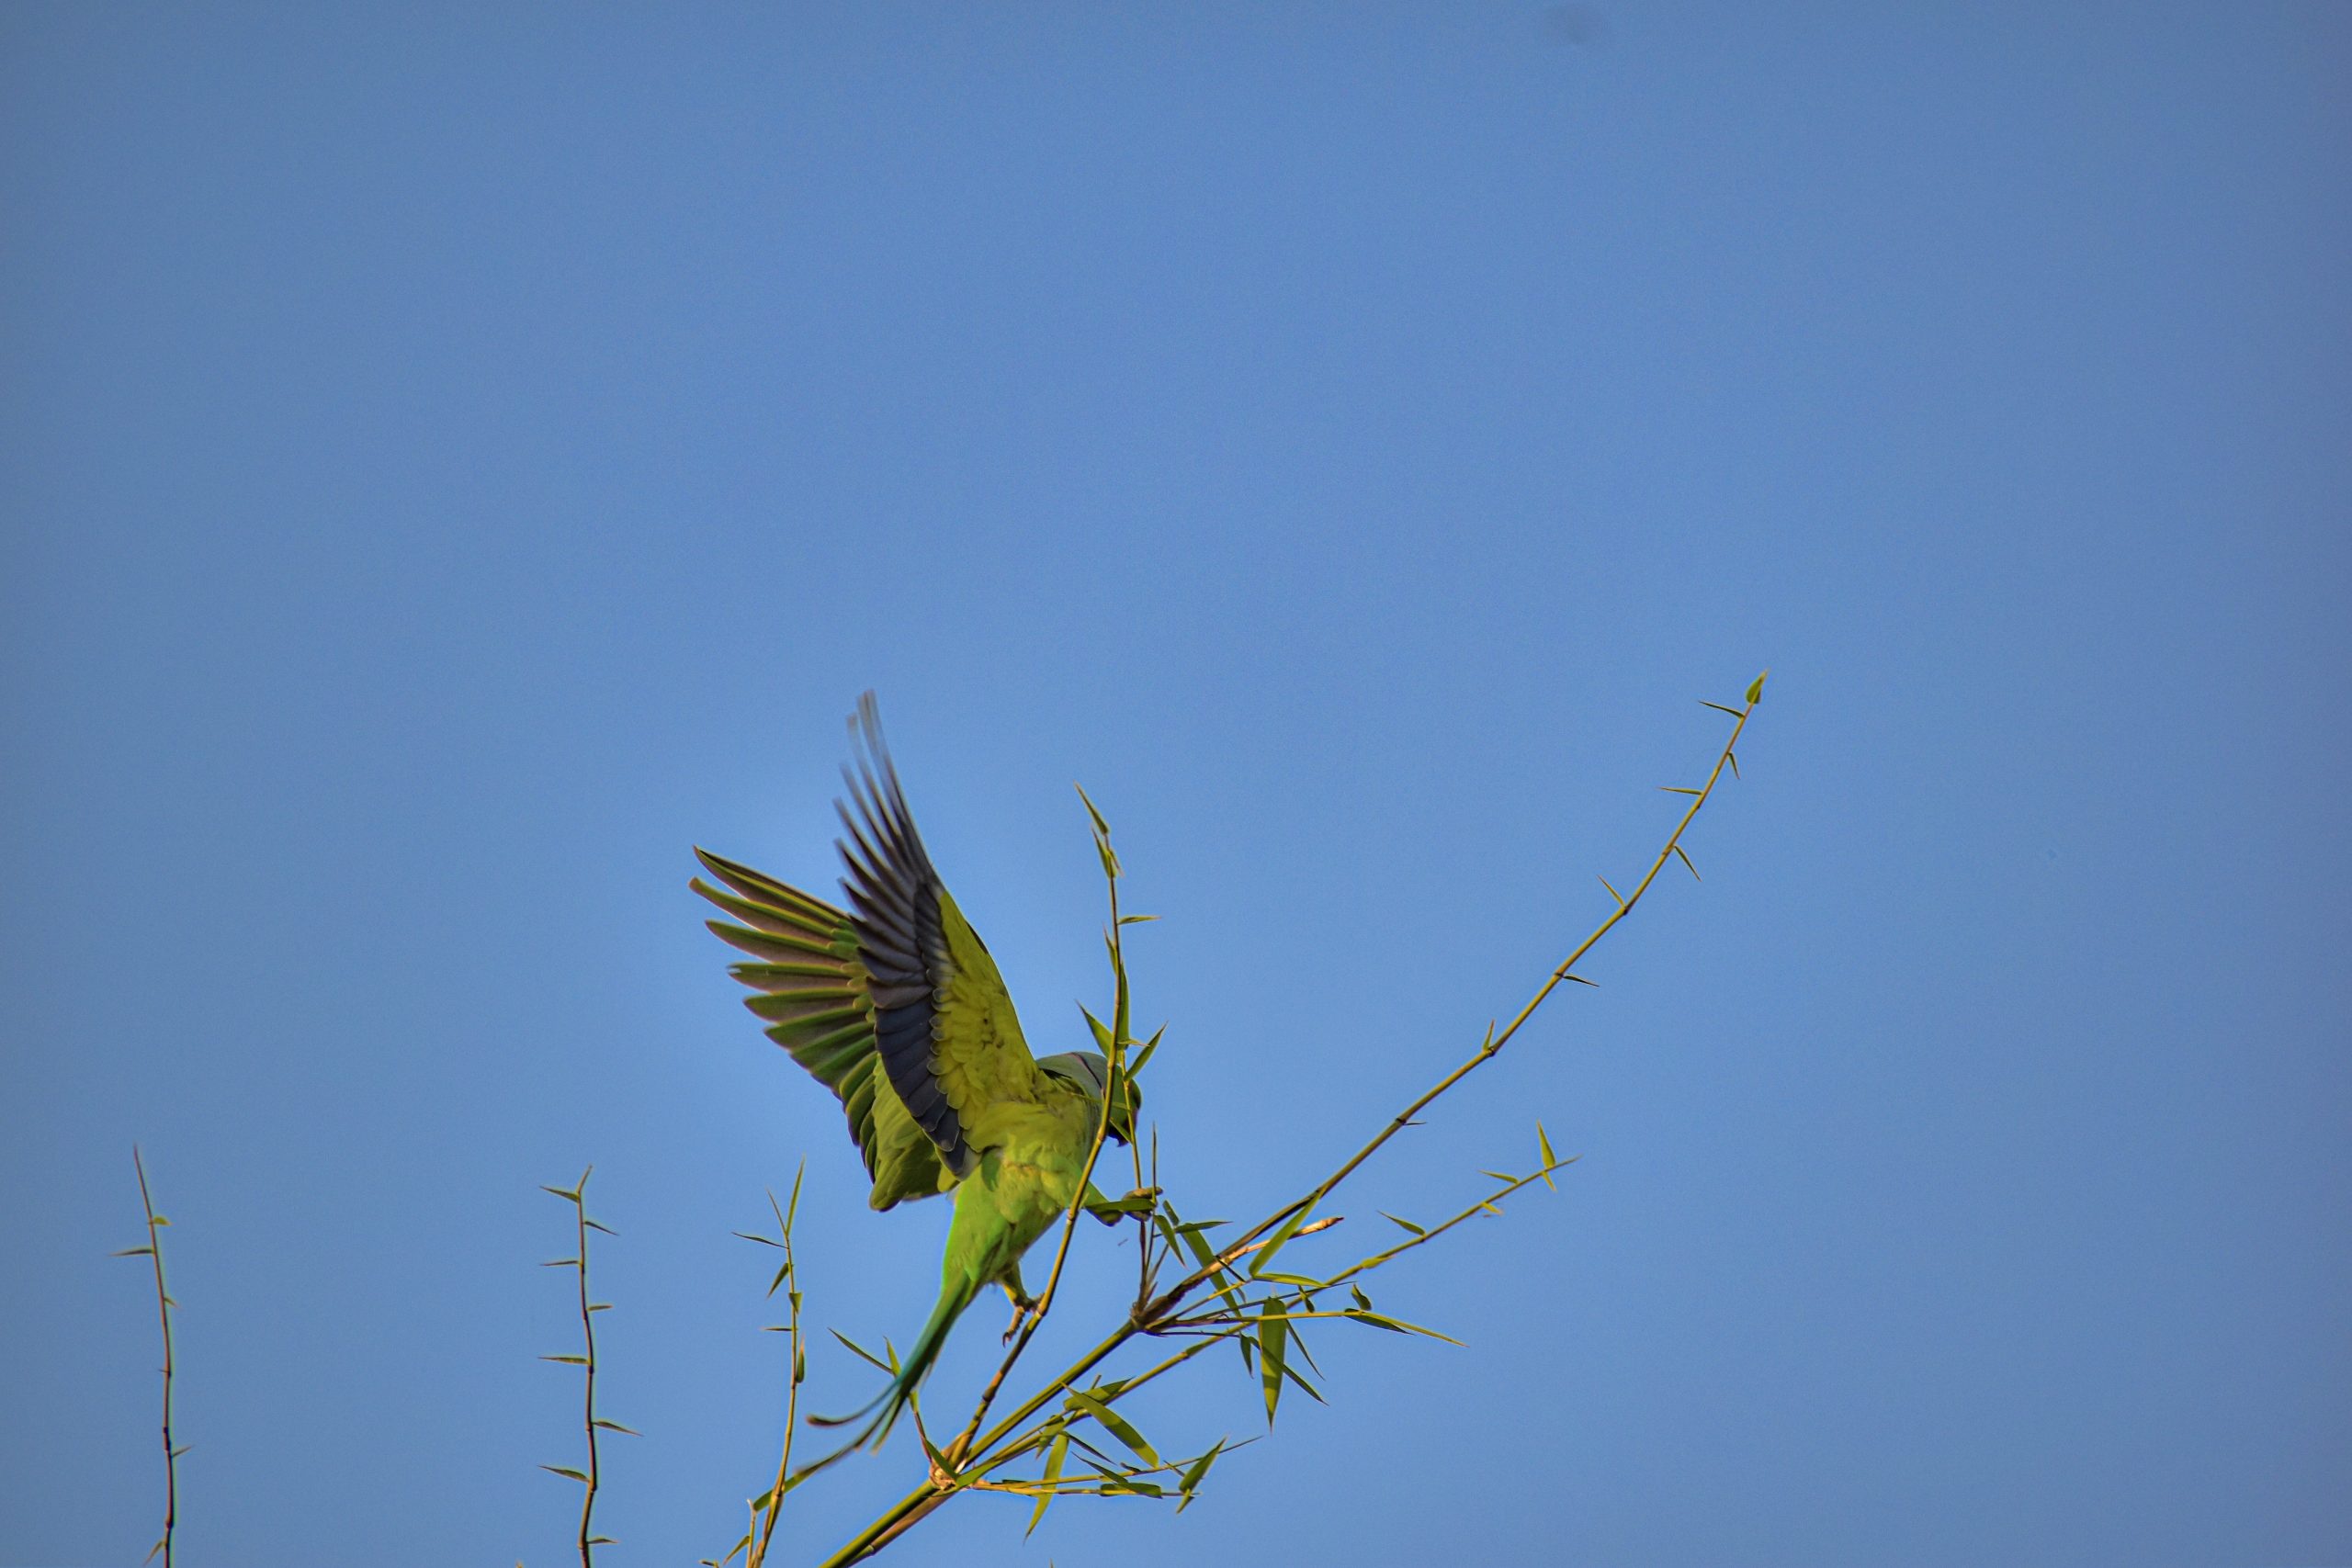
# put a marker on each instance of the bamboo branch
(789, 1278)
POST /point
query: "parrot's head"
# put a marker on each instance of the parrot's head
(1089, 1073)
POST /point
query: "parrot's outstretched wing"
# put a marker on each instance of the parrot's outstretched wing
(945, 1028)
(815, 993)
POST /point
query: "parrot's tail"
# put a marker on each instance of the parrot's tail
(954, 1297)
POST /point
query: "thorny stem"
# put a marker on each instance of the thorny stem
(588, 1401)
(919, 1502)
(164, 1304)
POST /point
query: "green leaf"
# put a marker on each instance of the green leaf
(1099, 825)
(1397, 1325)
(1408, 1225)
(1101, 1031)
(602, 1540)
(567, 1471)
(568, 1361)
(616, 1426)
(1197, 1472)
(135, 1252)
(1143, 1055)
(1272, 1328)
(1054, 1458)
(1362, 1301)
(568, 1195)
(1281, 1238)
(1116, 1424)
(863, 1353)
(1720, 708)
(600, 1225)
(1544, 1142)
(1136, 919)
(1678, 789)
(1756, 689)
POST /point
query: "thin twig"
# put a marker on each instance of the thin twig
(154, 1251)
(789, 1277)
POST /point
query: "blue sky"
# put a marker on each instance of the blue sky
(461, 457)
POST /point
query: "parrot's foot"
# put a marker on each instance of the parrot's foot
(1021, 1311)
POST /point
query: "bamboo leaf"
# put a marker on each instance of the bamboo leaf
(1756, 690)
(1398, 1325)
(568, 1361)
(861, 1351)
(1099, 825)
(616, 1426)
(1197, 1472)
(1720, 708)
(1054, 1457)
(1544, 1142)
(1117, 1424)
(1272, 1328)
(1408, 1225)
(1281, 1238)
(1678, 789)
(567, 1471)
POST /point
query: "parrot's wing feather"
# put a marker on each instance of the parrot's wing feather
(945, 1028)
(815, 995)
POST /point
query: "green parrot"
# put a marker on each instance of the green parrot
(896, 1006)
